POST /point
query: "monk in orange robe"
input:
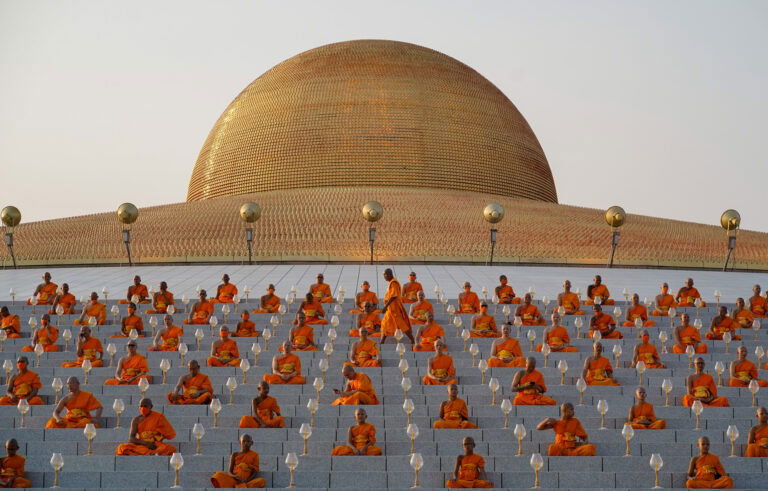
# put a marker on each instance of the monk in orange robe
(131, 368)
(46, 335)
(225, 292)
(88, 348)
(597, 293)
(705, 471)
(642, 416)
(570, 438)
(411, 289)
(597, 368)
(758, 304)
(430, 333)
(505, 351)
(265, 410)
(148, 430)
(193, 387)
(138, 289)
(364, 353)
(647, 353)
(469, 470)
(556, 336)
(687, 335)
(243, 469)
(454, 414)
(637, 311)
(130, 322)
(364, 295)
(66, 300)
(469, 303)
(529, 313)
(743, 371)
(286, 368)
(441, 369)
(161, 300)
(702, 387)
(369, 320)
(742, 315)
(23, 384)
(94, 309)
(722, 324)
(269, 303)
(224, 351)
(12, 467)
(417, 314)
(302, 336)
(45, 291)
(688, 294)
(505, 293)
(201, 311)
(168, 337)
(483, 324)
(357, 390)
(361, 438)
(313, 311)
(320, 291)
(569, 300)
(664, 301)
(757, 441)
(246, 328)
(604, 323)
(10, 323)
(395, 316)
(530, 387)
(82, 408)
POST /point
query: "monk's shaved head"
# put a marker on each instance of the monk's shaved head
(146, 402)
(348, 371)
(530, 363)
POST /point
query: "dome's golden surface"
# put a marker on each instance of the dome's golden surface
(372, 113)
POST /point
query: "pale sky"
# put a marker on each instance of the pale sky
(659, 106)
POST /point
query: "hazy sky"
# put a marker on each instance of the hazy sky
(657, 106)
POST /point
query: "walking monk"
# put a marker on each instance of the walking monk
(131, 322)
(66, 300)
(45, 291)
(637, 311)
(417, 314)
(688, 294)
(469, 471)
(46, 335)
(454, 413)
(742, 315)
(364, 295)
(357, 390)
(395, 316)
(505, 293)
(530, 387)
(529, 313)
(10, 323)
(597, 368)
(201, 311)
(12, 467)
(706, 471)
(301, 335)
(556, 336)
(94, 309)
(597, 293)
(441, 369)
(687, 335)
(88, 348)
(722, 324)
(758, 304)
(646, 352)
(139, 290)
(469, 303)
(286, 368)
(269, 303)
(148, 430)
(225, 292)
(265, 411)
(364, 353)
(320, 291)
(570, 438)
(569, 300)
(664, 301)
(246, 328)
(411, 289)
(168, 336)
(82, 408)
(224, 352)
(312, 310)
(642, 416)
(430, 333)
(505, 351)
(161, 300)
(702, 387)
(131, 368)
(193, 387)
(743, 371)
(483, 324)
(757, 441)
(604, 323)
(243, 468)
(370, 320)
(23, 384)
(361, 438)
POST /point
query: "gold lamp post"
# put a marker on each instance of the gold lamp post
(119, 407)
(493, 213)
(537, 462)
(127, 213)
(57, 462)
(177, 462)
(733, 434)
(656, 464)
(305, 431)
(730, 220)
(57, 385)
(372, 212)
(417, 462)
(11, 216)
(250, 212)
(520, 433)
(90, 434)
(198, 431)
(614, 217)
(292, 461)
(506, 407)
(667, 386)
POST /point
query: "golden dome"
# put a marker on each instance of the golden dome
(372, 113)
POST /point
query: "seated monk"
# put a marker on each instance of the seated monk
(428, 334)
(530, 387)
(302, 336)
(225, 292)
(23, 384)
(647, 353)
(687, 335)
(417, 313)
(130, 322)
(722, 324)
(45, 291)
(505, 351)
(360, 438)
(12, 467)
(320, 291)
(757, 441)
(286, 368)
(246, 328)
(529, 313)
(168, 336)
(88, 348)
(637, 311)
(705, 471)
(193, 387)
(357, 390)
(138, 290)
(505, 293)
(46, 335)
(201, 311)
(441, 369)
(364, 353)
(642, 416)
(597, 293)
(148, 430)
(570, 438)
(265, 411)
(687, 295)
(161, 300)
(483, 324)
(10, 323)
(131, 368)
(604, 323)
(743, 371)
(369, 320)
(395, 316)
(224, 351)
(469, 303)
(313, 311)
(67, 301)
(411, 289)
(702, 387)
(454, 414)
(569, 300)
(469, 470)
(758, 304)
(742, 315)
(556, 336)
(243, 468)
(94, 309)
(364, 295)
(664, 301)
(82, 408)
(269, 303)
(597, 368)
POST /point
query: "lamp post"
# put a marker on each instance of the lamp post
(249, 213)
(614, 217)
(11, 216)
(372, 212)
(493, 213)
(730, 221)
(127, 213)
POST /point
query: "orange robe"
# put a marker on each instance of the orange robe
(468, 473)
(420, 310)
(11, 321)
(558, 337)
(506, 295)
(201, 313)
(268, 411)
(507, 349)
(602, 292)
(645, 411)
(229, 352)
(395, 317)
(744, 319)
(311, 311)
(170, 339)
(638, 311)
(153, 428)
(530, 315)
(455, 416)
(140, 290)
(90, 348)
(758, 449)
(689, 336)
(485, 327)
(11, 467)
(758, 305)
(371, 322)
(269, 305)
(596, 373)
(192, 386)
(97, 310)
(428, 337)
(362, 435)
(246, 329)
(225, 294)
(161, 302)
(132, 366)
(603, 324)
(303, 336)
(360, 382)
(286, 364)
(570, 302)
(441, 366)
(665, 303)
(704, 386)
(22, 386)
(687, 297)
(362, 298)
(565, 440)
(46, 336)
(745, 371)
(46, 295)
(532, 397)
(411, 292)
(707, 468)
(67, 302)
(645, 353)
(131, 322)
(245, 465)
(469, 303)
(78, 412)
(364, 353)
(321, 293)
(726, 325)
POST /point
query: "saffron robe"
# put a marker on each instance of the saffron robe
(645, 411)
(455, 416)
(395, 317)
(152, 428)
(229, 354)
(131, 367)
(366, 395)
(708, 467)
(78, 413)
(90, 349)
(362, 435)
(565, 445)
(705, 386)
(440, 366)
(245, 465)
(597, 372)
(509, 348)
(468, 474)
(269, 412)
(532, 397)
(190, 387)
(286, 364)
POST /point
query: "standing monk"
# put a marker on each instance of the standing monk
(395, 316)
(441, 370)
(94, 309)
(364, 353)
(12, 467)
(269, 303)
(570, 438)
(66, 300)
(286, 368)
(597, 368)
(312, 310)
(469, 470)
(530, 387)
(637, 311)
(430, 333)
(743, 371)
(757, 441)
(360, 438)
(10, 323)
(201, 311)
(23, 384)
(483, 324)
(454, 413)
(569, 300)
(148, 430)
(469, 303)
(702, 387)
(687, 295)
(168, 336)
(265, 411)
(642, 416)
(82, 408)
(664, 301)
(505, 293)
(137, 289)
(88, 348)
(758, 304)
(646, 352)
(131, 322)
(721, 324)
(46, 335)
(604, 323)
(743, 316)
(505, 351)
(556, 336)
(243, 468)
(246, 328)
(320, 291)
(357, 390)
(706, 471)
(417, 314)
(529, 313)
(411, 289)
(161, 300)
(131, 368)
(224, 351)
(687, 335)
(597, 293)
(364, 295)
(370, 320)
(225, 292)
(193, 387)
(45, 291)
